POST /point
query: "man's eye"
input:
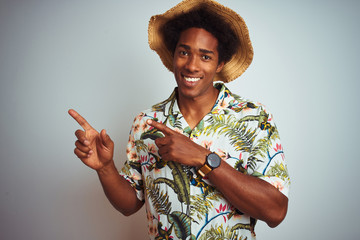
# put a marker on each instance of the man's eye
(184, 53)
(206, 57)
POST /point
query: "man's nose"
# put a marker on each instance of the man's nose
(192, 64)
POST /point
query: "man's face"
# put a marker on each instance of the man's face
(196, 63)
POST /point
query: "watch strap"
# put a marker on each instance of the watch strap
(205, 169)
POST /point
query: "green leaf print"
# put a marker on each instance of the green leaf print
(250, 227)
(219, 233)
(279, 170)
(180, 184)
(239, 166)
(187, 130)
(152, 134)
(201, 204)
(200, 126)
(181, 223)
(240, 136)
(164, 234)
(140, 146)
(159, 162)
(174, 121)
(135, 165)
(257, 174)
(126, 169)
(160, 199)
(241, 226)
(192, 237)
(261, 147)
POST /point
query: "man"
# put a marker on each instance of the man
(205, 162)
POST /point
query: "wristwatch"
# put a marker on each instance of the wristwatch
(212, 161)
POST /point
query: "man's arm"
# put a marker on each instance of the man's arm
(96, 151)
(119, 191)
(251, 195)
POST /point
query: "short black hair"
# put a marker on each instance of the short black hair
(228, 42)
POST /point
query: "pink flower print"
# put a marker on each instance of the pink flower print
(135, 177)
(128, 150)
(222, 154)
(222, 208)
(234, 105)
(136, 128)
(223, 104)
(132, 156)
(278, 185)
(246, 108)
(139, 117)
(206, 144)
(130, 146)
(143, 158)
(144, 126)
(153, 231)
(278, 148)
(152, 148)
(240, 157)
(149, 216)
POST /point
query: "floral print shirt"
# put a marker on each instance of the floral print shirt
(179, 203)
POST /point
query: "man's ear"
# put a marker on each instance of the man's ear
(220, 67)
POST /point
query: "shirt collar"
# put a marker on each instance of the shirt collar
(171, 107)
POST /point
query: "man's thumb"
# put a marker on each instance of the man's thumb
(105, 139)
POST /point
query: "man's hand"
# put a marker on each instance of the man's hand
(177, 147)
(93, 148)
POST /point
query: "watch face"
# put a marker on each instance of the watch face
(213, 160)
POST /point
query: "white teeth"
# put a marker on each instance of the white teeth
(191, 79)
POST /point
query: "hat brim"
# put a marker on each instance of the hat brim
(233, 68)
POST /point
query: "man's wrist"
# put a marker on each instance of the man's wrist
(212, 161)
(202, 158)
(107, 169)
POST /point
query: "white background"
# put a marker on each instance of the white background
(93, 56)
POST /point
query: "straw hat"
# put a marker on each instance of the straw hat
(233, 68)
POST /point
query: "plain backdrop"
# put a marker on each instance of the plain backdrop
(93, 56)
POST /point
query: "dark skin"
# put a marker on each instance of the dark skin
(250, 195)
(195, 65)
(96, 151)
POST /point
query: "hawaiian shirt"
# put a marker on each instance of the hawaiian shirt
(179, 203)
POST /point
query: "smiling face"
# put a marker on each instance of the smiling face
(196, 63)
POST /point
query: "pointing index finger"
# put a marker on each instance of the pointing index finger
(161, 127)
(83, 123)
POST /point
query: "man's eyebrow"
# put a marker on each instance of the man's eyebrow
(206, 51)
(201, 49)
(184, 46)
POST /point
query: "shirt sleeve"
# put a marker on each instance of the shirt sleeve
(131, 170)
(269, 155)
